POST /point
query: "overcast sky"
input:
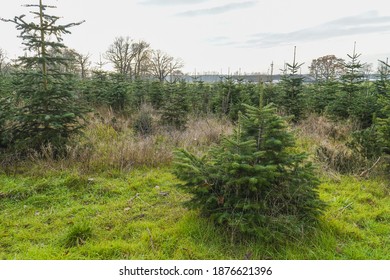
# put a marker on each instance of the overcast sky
(217, 35)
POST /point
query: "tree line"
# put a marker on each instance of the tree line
(132, 59)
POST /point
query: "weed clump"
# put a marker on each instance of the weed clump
(77, 235)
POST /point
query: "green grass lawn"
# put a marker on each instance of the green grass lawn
(140, 215)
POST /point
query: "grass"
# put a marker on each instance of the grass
(140, 215)
(115, 197)
(360, 216)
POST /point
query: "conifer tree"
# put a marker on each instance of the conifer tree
(139, 92)
(227, 97)
(354, 76)
(292, 88)
(5, 107)
(198, 98)
(358, 103)
(254, 182)
(383, 84)
(322, 93)
(155, 94)
(47, 108)
(5, 115)
(96, 89)
(384, 128)
(174, 110)
(353, 100)
(383, 123)
(118, 94)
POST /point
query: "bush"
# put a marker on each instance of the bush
(253, 182)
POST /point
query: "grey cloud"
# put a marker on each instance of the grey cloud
(370, 17)
(217, 10)
(354, 25)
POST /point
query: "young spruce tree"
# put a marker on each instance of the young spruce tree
(5, 107)
(383, 123)
(292, 90)
(47, 109)
(174, 111)
(353, 101)
(254, 182)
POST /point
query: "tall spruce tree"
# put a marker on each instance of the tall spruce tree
(47, 108)
(254, 182)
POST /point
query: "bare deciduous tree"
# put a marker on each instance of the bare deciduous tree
(120, 55)
(141, 53)
(83, 63)
(162, 65)
(76, 62)
(100, 63)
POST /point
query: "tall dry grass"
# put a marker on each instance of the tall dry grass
(110, 142)
(328, 143)
(320, 128)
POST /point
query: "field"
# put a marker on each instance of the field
(145, 162)
(101, 205)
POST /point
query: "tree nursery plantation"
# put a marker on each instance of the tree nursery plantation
(140, 162)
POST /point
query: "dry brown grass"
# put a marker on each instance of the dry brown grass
(110, 142)
(327, 141)
(320, 128)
